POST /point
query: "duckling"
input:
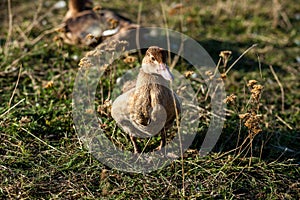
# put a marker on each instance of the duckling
(85, 25)
(150, 107)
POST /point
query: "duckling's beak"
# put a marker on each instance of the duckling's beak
(164, 71)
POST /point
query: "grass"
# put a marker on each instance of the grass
(42, 157)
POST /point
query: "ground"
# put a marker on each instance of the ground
(256, 157)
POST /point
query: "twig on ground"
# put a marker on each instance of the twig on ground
(280, 86)
(43, 34)
(42, 141)
(284, 122)
(10, 27)
(231, 66)
(259, 66)
(35, 17)
(11, 108)
(17, 83)
(137, 38)
(167, 31)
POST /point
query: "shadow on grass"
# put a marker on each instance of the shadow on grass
(244, 65)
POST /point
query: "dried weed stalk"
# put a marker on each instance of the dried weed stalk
(251, 119)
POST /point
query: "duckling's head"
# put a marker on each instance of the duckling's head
(154, 62)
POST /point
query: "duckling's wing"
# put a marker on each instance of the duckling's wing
(174, 111)
(120, 107)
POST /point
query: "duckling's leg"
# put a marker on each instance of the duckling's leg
(135, 147)
(163, 140)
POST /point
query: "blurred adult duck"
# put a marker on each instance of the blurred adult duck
(149, 107)
(86, 25)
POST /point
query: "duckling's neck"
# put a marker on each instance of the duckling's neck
(145, 79)
(76, 6)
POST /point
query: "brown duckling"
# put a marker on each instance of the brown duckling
(150, 107)
(89, 26)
